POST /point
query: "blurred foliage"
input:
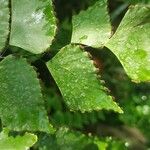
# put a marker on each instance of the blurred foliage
(70, 140)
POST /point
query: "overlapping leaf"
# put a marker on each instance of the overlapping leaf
(21, 104)
(92, 27)
(33, 25)
(4, 22)
(16, 143)
(131, 42)
(76, 77)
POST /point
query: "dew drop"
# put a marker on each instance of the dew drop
(127, 144)
(144, 97)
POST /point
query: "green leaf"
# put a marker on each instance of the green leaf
(131, 41)
(4, 23)
(47, 142)
(78, 82)
(69, 140)
(92, 27)
(16, 143)
(21, 102)
(33, 25)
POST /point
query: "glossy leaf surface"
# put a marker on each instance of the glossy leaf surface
(33, 25)
(78, 82)
(16, 143)
(131, 43)
(92, 27)
(4, 23)
(21, 103)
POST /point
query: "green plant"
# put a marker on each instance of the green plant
(38, 42)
